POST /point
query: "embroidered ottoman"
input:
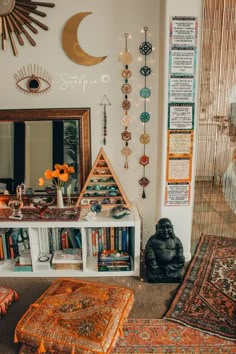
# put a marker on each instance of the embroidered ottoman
(75, 316)
(7, 296)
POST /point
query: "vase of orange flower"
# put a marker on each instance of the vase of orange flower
(57, 178)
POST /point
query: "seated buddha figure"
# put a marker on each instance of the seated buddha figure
(164, 257)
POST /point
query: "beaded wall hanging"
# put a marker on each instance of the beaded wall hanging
(145, 49)
(126, 59)
(105, 102)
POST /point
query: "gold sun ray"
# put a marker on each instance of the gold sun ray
(16, 20)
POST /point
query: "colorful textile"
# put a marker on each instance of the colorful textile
(162, 337)
(52, 214)
(75, 316)
(7, 296)
(206, 300)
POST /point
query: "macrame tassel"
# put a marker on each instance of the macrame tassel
(144, 194)
(41, 348)
(34, 305)
(121, 332)
(15, 338)
(126, 166)
(16, 296)
(3, 309)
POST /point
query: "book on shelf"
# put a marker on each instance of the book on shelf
(114, 267)
(22, 267)
(71, 253)
(25, 257)
(114, 261)
(1, 249)
(64, 238)
(67, 266)
(107, 238)
(59, 257)
(60, 263)
(113, 255)
(12, 241)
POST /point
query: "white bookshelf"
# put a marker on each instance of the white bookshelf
(36, 230)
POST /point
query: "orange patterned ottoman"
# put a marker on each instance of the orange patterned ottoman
(7, 296)
(75, 316)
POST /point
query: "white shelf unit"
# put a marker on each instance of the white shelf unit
(89, 264)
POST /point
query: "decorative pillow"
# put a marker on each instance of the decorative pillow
(7, 296)
(75, 316)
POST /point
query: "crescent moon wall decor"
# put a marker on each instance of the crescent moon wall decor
(15, 18)
(71, 44)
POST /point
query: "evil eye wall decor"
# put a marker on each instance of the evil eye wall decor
(33, 79)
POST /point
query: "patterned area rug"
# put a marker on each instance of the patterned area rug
(206, 299)
(160, 336)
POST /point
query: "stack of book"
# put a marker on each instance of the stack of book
(114, 261)
(68, 258)
(24, 263)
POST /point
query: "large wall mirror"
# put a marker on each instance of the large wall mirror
(33, 140)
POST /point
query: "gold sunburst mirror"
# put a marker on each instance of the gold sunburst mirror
(16, 19)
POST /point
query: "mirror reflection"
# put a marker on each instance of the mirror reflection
(28, 148)
(46, 143)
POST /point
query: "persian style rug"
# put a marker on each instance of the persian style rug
(162, 337)
(206, 299)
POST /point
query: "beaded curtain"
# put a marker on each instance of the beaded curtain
(216, 134)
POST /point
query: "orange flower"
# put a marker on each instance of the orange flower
(64, 177)
(55, 174)
(58, 176)
(71, 169)
(48, 174)
(41, 181)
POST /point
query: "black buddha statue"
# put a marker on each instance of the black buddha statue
(164, 257)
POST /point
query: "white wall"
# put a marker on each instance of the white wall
(181, 217)
(102, 33)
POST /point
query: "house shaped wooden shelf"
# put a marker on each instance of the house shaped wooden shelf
(102, 186)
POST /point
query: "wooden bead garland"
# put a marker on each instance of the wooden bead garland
(126, 59)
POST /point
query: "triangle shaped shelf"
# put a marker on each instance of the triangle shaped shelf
(102, 186)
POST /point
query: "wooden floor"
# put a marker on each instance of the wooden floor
(211, 214)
